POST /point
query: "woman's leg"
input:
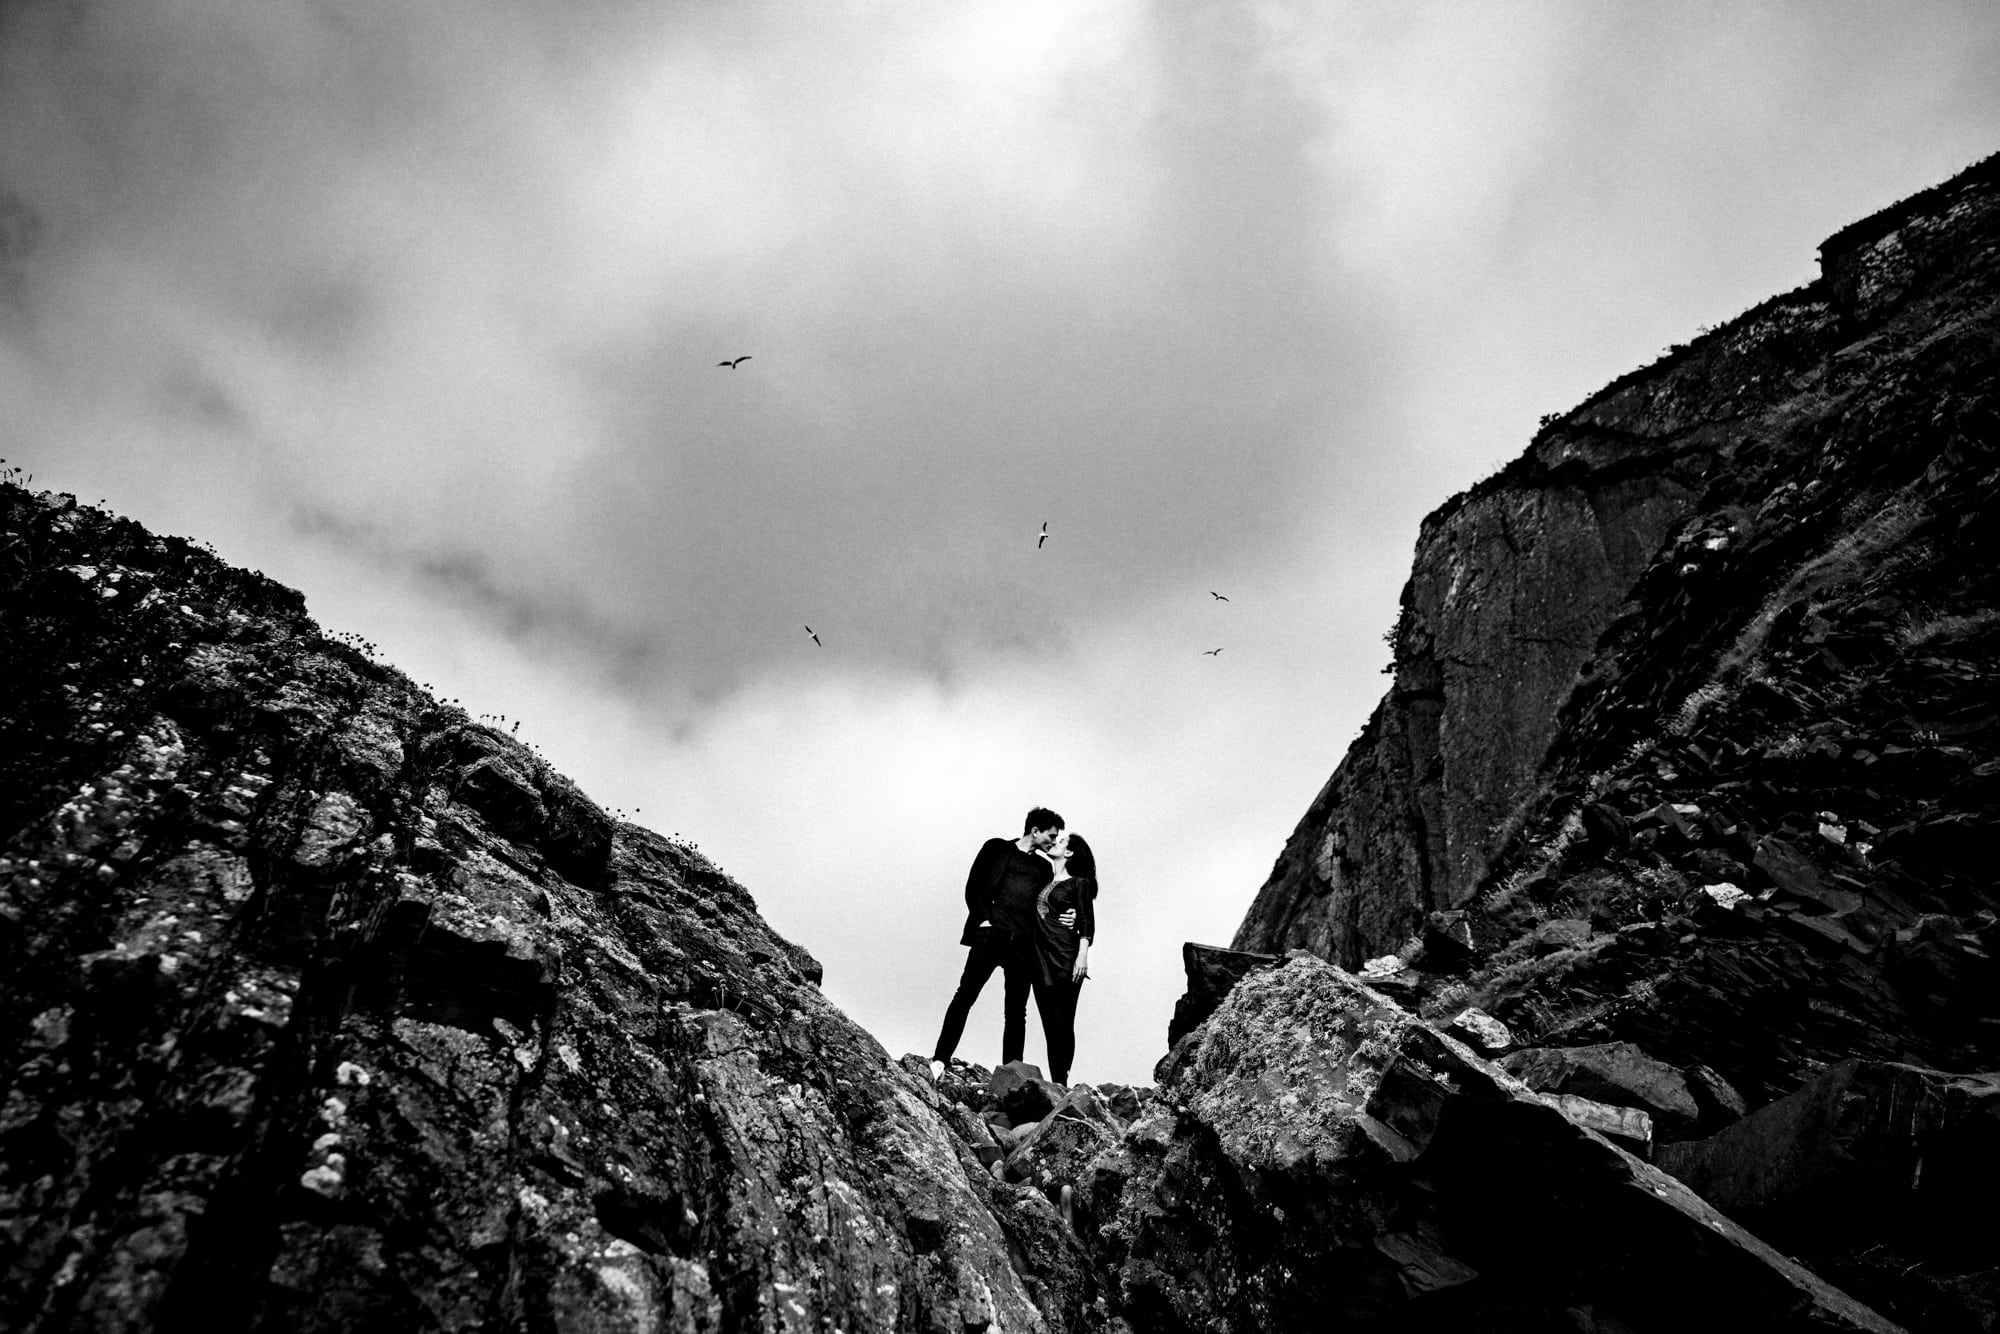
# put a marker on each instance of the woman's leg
(1057, 1004)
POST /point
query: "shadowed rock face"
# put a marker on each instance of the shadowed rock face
(1876, 1170)
(1786, 433)
(326, 1008)
(1739, 818)
(1320, 1159)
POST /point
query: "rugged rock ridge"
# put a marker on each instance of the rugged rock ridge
(327, 1008)
(1516, 581)
(1747, 837)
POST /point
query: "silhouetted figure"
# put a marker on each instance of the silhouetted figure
(1001, 932)
(1066, 923)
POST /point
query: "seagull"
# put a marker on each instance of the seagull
(1209, 653)
(809, 629)
(734, 364)
(1217, 596)
(1043, 538)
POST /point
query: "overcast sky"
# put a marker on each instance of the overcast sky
(417, 307)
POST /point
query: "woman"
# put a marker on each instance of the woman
(1066, 924)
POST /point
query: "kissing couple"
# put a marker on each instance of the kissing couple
(1028, 913)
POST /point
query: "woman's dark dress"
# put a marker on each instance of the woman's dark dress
(1056, 942)
(1056, 990)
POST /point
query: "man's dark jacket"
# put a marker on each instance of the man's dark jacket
(998, 857)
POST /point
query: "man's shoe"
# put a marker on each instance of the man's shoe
(937, 1071)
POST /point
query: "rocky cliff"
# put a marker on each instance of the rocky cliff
(327, 1008)
(1847, 419)
(324, 1006)
(1689, 769)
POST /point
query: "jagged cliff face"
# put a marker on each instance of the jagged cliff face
(1782, 433)
(325, 1008)
(1728, 845)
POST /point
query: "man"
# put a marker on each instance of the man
(1007, 876)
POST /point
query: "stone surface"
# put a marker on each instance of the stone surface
(327, 1008)
(1211, 972)
(1719, 1102)
(1481, 1030)
(1790, 693)
(1617, 1073)
(1052, 1152)
(1627, 1127)
(1324, 1160)
(1672, 512)
(1020, 1091)
(1886, 1172)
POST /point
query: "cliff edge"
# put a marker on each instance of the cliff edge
(1689, 779)
(326, 1007)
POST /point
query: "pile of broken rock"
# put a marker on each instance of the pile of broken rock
(1314, 1155)
(1026, 1130)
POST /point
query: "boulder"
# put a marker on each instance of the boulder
(1022, 1093)
(978, 1136)
(1323, 1159)
(1124, 1101)
(497, 787)
(1446, 942)
(1211, 972)
(1881, 1175)
(1482, 1030)
(1618, 1073)
(1051, 1153)
(1717, 1098)
(1627, 1127)
(1865, 1138)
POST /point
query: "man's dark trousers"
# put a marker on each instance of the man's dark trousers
(992, 947)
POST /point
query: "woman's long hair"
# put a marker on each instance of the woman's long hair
(1082, 864)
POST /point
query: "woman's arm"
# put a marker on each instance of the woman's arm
(1086, 914)
(1082, 969)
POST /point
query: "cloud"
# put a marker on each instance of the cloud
(466, 279)
(418, 309)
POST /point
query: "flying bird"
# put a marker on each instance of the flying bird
(734, 364)
(1043, 538)
(809, 629)
(1211, 652)
(1217, 596)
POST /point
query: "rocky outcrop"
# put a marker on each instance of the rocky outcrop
(1880, 1171)
(331, 1008)
(1211, 974)
(328, 1008)
(1748, 839)
(1318, 1158)
(1747, 440)
(1616, 1073)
